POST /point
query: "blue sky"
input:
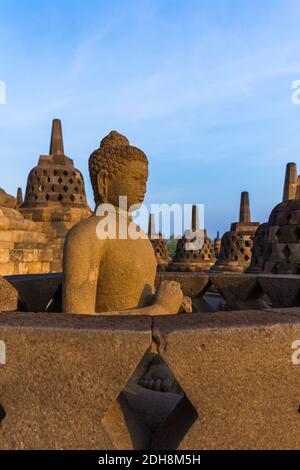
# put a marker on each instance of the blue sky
(203, 87)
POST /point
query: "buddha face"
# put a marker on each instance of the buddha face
(130, 182)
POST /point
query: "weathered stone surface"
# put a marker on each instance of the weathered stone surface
(241, 291)
(62, 377)
(23, 248)
(237, 372)
(282, 290)
(8, 296)
(192, 284)
(36, 291)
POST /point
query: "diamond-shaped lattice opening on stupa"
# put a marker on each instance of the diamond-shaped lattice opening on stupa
(156, 413)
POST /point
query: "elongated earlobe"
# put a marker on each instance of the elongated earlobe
(103, 182)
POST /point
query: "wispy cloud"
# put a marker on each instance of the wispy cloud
(204, 90)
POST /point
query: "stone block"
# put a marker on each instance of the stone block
(288, 234)
(4, 255)
(280, 253)
(63, 375)
(240, 291)
(287, 268)
(295, 217)
(36, 291)
(272, 233)
(21, 268)
(282, 290)
(7, 269)
(295, 252)
(281, 218)
(35, 267)
(8, 296)
(192, 284)
(55, 267)
(236, 370)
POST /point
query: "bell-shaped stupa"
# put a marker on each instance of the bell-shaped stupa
(55, 195)
(276, 247)
(217, 245)
(236, 244)
(159, 246)
(194, 251)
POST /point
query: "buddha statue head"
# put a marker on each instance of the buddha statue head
(118, 169)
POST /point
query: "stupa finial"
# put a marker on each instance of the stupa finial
(290, 182)
(195, 219)
(151, 226)
(245, 208)
(19, 197)
(56, 143)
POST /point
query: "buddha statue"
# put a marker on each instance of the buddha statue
(112, 271)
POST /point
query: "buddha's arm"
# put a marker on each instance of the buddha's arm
(168, 300)
(82, 254)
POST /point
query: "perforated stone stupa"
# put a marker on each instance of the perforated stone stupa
(235, 253)
(23, 248)
(217, 245)
(276, 247)
(197, 259)
(55, 195)
(159, 246)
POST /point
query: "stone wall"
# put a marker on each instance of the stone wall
(64, 382)
(229, 291)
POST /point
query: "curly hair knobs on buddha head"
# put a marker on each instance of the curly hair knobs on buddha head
(112, 155)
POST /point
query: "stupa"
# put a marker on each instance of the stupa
(159, 246)
(20, 199)
(23, 248)
(217, 245)
(276, 247)
(258, 250)
(55, 195)
(197, 259)
(235, 254)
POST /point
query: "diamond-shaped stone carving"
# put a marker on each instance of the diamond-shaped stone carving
(157, 414)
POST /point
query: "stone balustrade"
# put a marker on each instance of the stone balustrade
(65, 381)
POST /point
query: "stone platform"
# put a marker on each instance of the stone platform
(69, 381)
(64, 382)
(236, 291)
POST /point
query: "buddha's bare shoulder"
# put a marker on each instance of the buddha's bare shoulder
(85, 230)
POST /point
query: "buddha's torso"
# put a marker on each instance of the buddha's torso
(126, 274)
